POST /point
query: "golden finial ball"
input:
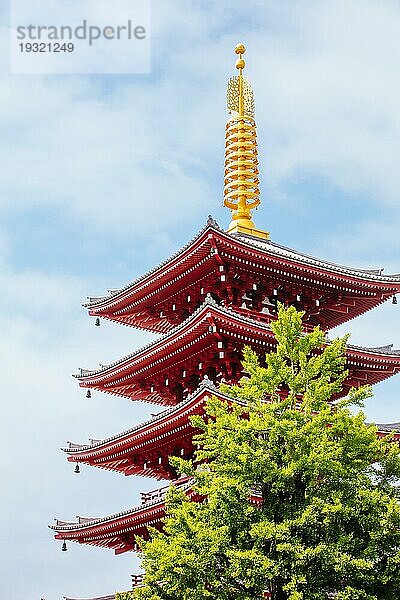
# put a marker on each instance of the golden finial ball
(240, 63)
(240, 49)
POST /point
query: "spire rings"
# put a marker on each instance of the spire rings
(241, 164)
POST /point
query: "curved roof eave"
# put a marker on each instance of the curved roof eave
(210, 303)
(205, 387)
(266, 246)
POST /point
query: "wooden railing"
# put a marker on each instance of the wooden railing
(137, 580)
(160, 493)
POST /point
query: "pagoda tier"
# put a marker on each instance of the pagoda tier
(118, 532)
(144, 450)
(210, 342)
(249, 274)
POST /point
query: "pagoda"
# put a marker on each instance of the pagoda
(216, 295)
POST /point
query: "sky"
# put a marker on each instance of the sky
(103, 177)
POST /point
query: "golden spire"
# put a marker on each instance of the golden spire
(241, 191)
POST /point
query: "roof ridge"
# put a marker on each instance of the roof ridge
(260, 243)
(209, 301)
(386, 349)
(205, 384)
(90, 522)
(210, 224)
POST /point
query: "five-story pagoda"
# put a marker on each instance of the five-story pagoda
(214, 296)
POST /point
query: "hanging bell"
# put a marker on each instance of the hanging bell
(97, 322)
(77, 469)
(88, 394)
(394, 300)
(64, 546)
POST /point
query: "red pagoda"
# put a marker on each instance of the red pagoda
(214, 296)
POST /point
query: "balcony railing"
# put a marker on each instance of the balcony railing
(137, 580)
(160, 493)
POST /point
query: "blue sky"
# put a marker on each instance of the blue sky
(102, 177)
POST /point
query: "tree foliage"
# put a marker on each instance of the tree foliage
(328, 523)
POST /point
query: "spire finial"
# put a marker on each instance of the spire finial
(240, 65)
(241, 191)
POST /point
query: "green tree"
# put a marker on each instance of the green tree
(328, 523)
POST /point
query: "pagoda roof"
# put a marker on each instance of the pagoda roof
(130, 375)
(115, 452)
(169, 426)
(164, 350)
(118, 531)
(385, 428)
(211, 244)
